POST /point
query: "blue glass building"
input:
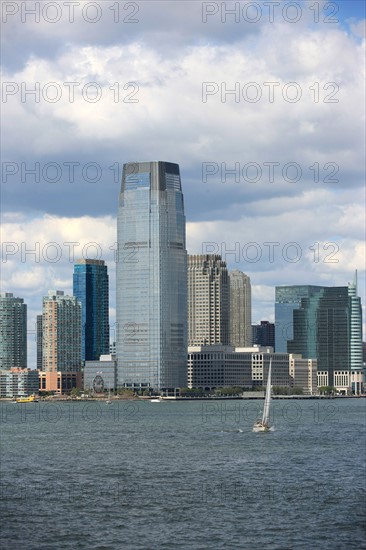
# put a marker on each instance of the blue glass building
(288, 299)
(151, 278)
(327, 326)
(90, 286)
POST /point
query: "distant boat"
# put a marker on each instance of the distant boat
(263, 425)
(108, 401)
(156, 400)
(29, 399)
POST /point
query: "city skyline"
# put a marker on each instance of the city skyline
(301, 222)
(288, 296)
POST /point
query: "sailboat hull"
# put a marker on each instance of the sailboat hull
(261, 428)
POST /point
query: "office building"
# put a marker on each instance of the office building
(303, 373)
(264, 334)
(208, 300)
(13, 332)
(240, 309)
(90, 287)
(328, 326)
(101, 376)
(210, 367)
(356, 351)
(151, 279)
(61, 333)
(60, 382)
(288, 299)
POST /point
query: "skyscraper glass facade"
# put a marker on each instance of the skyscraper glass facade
(90, 287)
(288, 298)
(356, 356)
(264, 334)
(151, 277)
(327, 326)
(13, 332)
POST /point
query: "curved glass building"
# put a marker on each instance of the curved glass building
(151, 278)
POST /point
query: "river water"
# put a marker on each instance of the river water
(192, 475)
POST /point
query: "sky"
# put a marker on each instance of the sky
(260, 103)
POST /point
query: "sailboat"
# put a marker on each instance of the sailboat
(263, 425)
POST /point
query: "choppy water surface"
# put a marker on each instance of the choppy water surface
(183, 475)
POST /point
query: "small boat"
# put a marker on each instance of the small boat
(156, 400)
(29, 399)
(263, 425)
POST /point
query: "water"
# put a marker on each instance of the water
(189, 475)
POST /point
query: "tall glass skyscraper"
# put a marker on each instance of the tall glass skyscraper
(13, 332)
(356, 357)
(288, 298)
(151, 278)
(91, 289)
(328, 326)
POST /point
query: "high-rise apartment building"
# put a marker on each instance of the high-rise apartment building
(240, 309)
(208, 300)
(90, 287)
(39, 342)
(13, 332)
(151, 278)
(16, 382)
(61, 332)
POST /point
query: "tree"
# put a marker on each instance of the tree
(327, 390)
(125, 392)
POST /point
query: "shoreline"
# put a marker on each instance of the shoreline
(230, 398)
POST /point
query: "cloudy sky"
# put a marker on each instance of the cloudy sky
(260, 103)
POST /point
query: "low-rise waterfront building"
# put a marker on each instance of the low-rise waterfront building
(323, 378)
(216, 366)
(303, 373)
(101, 375)
(17, 382)
(60, 382)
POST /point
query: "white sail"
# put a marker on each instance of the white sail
(267, 401)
